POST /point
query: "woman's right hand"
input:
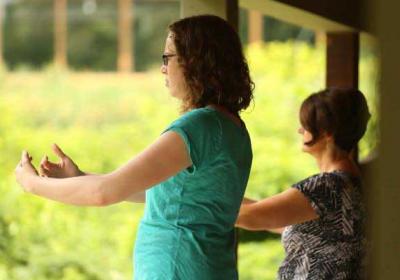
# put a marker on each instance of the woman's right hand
(63, 169)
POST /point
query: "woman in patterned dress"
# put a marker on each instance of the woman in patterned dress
(322, 217)
(193, 177)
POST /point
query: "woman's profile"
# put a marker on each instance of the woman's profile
(322, 217)
(193, 177)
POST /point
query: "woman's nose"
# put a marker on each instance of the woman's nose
(300, 130)
(163, 69)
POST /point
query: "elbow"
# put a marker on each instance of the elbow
(247, 221)
(100, 201)
(101, 197)
(248, 224)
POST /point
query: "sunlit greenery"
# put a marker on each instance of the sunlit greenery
(104, 119)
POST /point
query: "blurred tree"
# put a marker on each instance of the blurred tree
(92, 35)
(28, 33)
(93, 32)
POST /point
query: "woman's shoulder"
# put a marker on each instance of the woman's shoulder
(333, 181)
(317, 177)
(198, 118)
(200, 113)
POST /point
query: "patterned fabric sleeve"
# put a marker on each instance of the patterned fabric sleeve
(323, 191)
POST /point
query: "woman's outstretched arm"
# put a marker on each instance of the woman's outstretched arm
(273, 213)
(164, 158)
(66, 167)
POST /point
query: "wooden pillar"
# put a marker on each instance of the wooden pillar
(385, 193)
(342, 62)
(320, 39)
(60, 32)
(255, 26)
(342, 59)
(226, 9)
(232, 13)
(125, 36)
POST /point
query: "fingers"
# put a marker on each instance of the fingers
(25, 157)
(57, 150)
(43, 171)
(26, 160)
(44, 160)
(46, 164)
(42, 166)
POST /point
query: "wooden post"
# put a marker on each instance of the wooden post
(342, 59)
(125, 36)
(226, 9)
(342, 62)
(232, 13)
(60, 32)
(385, 192)
(320, 39)
(255, 26)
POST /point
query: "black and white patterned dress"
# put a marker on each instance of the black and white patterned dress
(332, 246)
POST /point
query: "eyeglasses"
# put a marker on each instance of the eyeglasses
(165, 58)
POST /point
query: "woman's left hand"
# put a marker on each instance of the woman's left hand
(25, 171)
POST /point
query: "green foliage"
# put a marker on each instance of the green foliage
(28, 34)
(283, 77)
(92, 33)
(102, 120)
(260, 261)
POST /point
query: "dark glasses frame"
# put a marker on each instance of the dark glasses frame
(165, 58)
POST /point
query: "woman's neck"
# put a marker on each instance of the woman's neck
(333, 160)
(234, 117)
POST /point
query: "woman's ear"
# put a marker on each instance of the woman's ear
(328, 137)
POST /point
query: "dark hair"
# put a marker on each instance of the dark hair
(214, 67)
(342, 112)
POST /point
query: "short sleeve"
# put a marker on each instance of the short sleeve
(201, 132)
(323, 191)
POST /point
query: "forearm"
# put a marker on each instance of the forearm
(276, 230)
(80, 190)
(139, 197)
(248, 201)
(245, 218)
(251, 218)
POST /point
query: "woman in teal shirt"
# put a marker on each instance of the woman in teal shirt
(193, 177)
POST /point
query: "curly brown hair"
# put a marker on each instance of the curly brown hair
(215, 69)
(342, 112)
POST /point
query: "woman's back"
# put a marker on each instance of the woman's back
(188, 228)
(332, 246)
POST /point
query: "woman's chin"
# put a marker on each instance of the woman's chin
(305, 149)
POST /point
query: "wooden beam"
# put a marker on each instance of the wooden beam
(342, 59)
(341, 11)
(324, 15)
(199, 7)
(125, 36)
(226, 9)
(60, 33)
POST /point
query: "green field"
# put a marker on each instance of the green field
(104, 119)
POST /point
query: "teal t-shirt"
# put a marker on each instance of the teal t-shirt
(187, 231)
